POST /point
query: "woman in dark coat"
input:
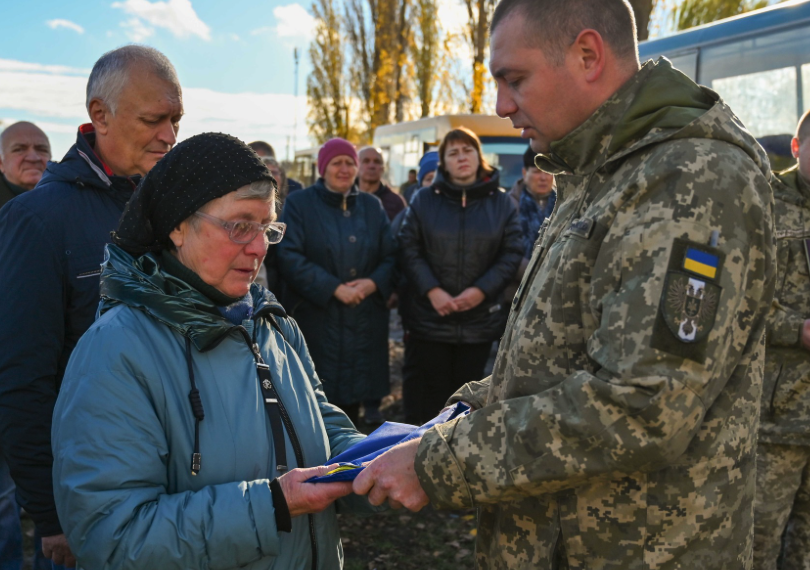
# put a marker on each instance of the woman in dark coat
(337, 265)
(461, 245)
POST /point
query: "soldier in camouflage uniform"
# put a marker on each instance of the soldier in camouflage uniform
(618, 429)
(783, 451)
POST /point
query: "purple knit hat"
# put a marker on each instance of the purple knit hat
(331, 149)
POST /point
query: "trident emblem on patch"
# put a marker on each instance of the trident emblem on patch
(691, 306)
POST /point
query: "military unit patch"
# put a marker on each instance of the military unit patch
(689, 300)
(690, 306)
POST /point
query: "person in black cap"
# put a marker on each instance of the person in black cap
(190, 415)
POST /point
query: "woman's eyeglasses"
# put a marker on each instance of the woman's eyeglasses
(243, 231)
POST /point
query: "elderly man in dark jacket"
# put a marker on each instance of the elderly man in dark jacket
(369, 180)
(24, 154)
(51, 249)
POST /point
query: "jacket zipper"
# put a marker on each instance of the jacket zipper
(296, 444)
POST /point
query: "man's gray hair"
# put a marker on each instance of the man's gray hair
(110, 73)
(553, 25)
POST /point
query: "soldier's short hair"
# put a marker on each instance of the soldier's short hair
(553, 25)
(803, 130)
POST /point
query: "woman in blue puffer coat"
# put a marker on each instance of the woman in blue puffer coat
(337, 266)
(190, 415)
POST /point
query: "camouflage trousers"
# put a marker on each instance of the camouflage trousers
(782, 507)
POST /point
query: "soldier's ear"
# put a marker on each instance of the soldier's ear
(794, 147)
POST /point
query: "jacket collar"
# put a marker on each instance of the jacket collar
(335, 199)
(481, 188)
(652, 105)
(792, 179)
(141, 283)
(383, 190)
(83, 167)
(12, 188)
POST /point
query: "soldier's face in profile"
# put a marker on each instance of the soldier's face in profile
(540, 97)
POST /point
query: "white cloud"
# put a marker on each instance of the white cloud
(41, 94)
(293, 21)
(136, 30)
(53, 24)
(12, 65)
(177, 16)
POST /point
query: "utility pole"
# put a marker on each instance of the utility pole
(295, 92)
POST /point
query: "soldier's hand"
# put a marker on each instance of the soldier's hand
(806, 335)
(391, 476)
(443, 303)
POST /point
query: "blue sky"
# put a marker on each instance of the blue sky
(234, 60)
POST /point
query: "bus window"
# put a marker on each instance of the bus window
(753, 76)
(506, 157)
(764, 101)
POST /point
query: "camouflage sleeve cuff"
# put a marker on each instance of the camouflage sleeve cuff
(439, 472)
(473, 393)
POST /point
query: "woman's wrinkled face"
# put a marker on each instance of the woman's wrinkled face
(461, 162)
(341, 172)
(205, 247)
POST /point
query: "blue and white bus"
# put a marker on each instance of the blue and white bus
(758, 62)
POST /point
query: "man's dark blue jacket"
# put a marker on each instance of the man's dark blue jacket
(51, 249)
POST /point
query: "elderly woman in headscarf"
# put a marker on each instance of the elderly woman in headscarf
(190, 415)
(337, 265)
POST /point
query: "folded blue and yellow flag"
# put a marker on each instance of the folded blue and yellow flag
(378, 442)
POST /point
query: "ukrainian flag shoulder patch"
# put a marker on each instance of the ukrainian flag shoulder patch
(701, 263)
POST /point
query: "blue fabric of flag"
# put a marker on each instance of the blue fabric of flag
(381, 440)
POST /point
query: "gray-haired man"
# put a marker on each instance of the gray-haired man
(24, 153)
(51, 247)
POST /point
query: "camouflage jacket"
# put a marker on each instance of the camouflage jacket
(785, 417)
(618, 428)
